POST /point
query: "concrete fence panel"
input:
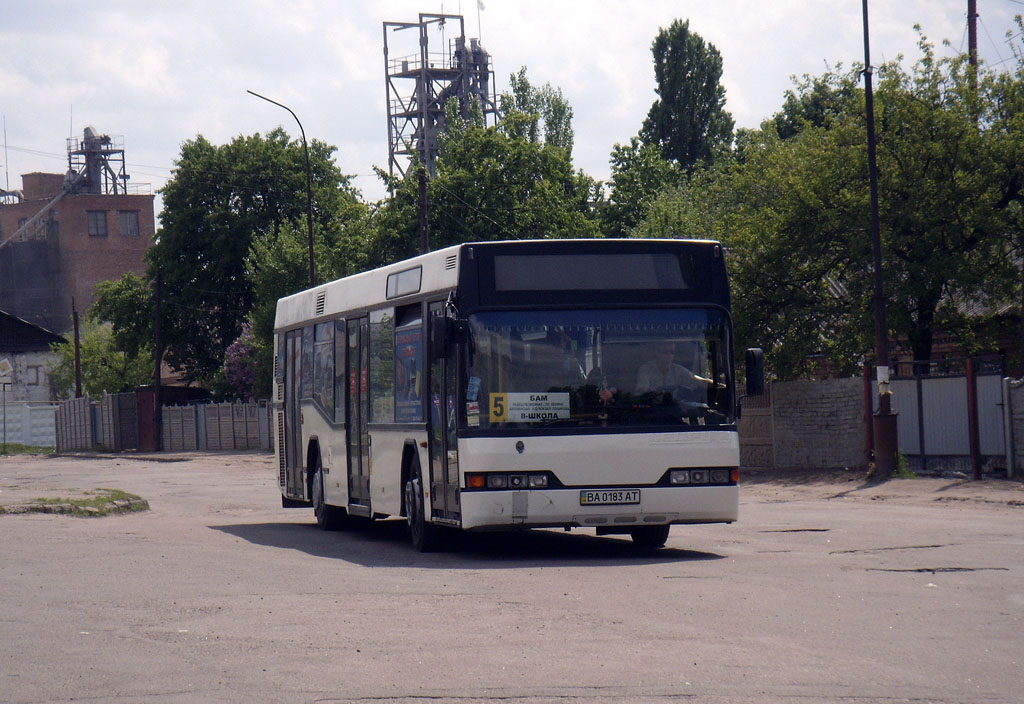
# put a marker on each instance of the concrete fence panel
(31, 424)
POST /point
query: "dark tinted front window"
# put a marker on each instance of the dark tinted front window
(655, 367)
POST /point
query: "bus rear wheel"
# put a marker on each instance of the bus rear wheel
(650, 536)
(327, 517)
(425, 536)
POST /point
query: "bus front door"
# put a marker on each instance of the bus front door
(295, 486)
(358, 408)
(444, 450)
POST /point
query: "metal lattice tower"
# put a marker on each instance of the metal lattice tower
(98, 160)
(430, 79)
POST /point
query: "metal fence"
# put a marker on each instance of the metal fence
(934, 402)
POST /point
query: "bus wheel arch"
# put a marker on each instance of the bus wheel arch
(425, 536)
(327, 517)
(410, 463)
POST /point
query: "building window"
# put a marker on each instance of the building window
(129, 223)
(32, 375)
(97, 223)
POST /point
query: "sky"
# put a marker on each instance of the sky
(160, 73)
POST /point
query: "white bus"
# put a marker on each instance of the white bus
(508, 385)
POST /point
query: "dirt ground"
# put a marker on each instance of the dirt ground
(763, 484)
(852, 485)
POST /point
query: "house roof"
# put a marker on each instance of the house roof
(17, 335)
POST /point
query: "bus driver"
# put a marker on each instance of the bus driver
(663, 373)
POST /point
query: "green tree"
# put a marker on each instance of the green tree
(638, 174)
(688, 122)
(219, 199)
(105, 367)
(539, 110)
(127, 304)
(793, 214)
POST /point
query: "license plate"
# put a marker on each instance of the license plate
(606, 497)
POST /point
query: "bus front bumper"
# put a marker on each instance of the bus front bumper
(548, 508)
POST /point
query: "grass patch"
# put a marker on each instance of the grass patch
(903, 470)
(16, 448)
(95, 503)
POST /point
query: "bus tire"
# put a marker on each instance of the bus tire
(425, 536)
(650, 536)
(327, 517)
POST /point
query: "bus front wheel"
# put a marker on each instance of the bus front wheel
(650, 536)
(327, 517)
(425, 536)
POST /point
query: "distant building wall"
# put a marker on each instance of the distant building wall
(85, 239)
(31, 377)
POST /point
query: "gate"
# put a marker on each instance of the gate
(933, 402)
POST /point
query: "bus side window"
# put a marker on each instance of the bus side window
(340, 348)
(323, 367)
(307, 362)
(409, 365)
(382, 369)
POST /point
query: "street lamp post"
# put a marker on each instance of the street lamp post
(309, 185)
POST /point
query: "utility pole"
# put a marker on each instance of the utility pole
(158, 361)
(78, 351)
(972, 37)
(884, 420)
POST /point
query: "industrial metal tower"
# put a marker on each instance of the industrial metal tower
(98, 162)
(421, 82)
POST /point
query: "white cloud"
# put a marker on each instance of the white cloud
(159, 73)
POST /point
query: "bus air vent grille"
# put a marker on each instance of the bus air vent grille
(282, 475)
(449, 262)
(321, 302)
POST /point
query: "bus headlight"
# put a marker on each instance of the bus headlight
(719, 476)
(679, 476)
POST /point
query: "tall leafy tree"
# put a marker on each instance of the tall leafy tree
(688, 121)
(638, 173)
(793, 213)
(106, 367)
(218, 200)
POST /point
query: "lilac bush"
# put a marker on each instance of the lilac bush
(240, 365)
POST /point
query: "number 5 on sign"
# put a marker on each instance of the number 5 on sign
(499, 408)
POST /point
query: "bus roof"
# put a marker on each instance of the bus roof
(433, 272)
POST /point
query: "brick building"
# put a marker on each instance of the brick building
(61, 235)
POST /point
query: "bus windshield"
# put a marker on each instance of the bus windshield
(578, 368)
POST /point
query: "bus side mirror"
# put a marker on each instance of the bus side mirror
(445, 333)
(755, 371)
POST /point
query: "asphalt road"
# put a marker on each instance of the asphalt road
(218, 595)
